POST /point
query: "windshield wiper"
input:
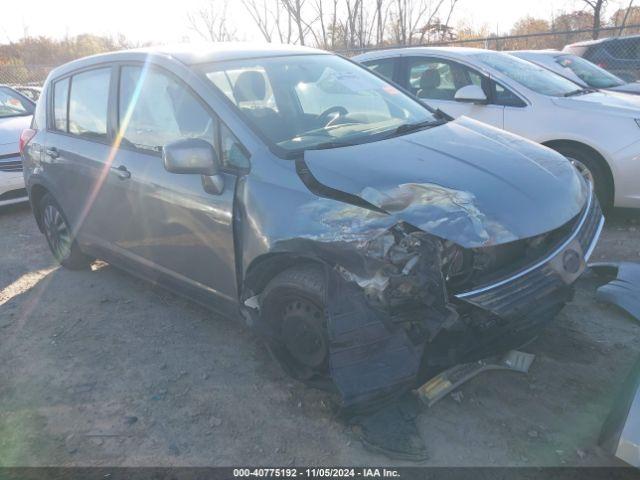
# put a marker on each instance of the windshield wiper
(331, 144)
(580, 91)
(412, 127)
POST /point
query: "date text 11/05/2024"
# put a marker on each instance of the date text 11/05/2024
(315, 473)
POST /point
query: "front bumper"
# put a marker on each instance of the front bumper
(12, 188)
(560, 268)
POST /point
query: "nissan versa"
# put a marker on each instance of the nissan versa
(371, 240)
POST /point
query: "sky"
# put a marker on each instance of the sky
(166, 21)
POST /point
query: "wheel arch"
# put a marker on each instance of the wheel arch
(36, 192)
(265, 267)
(555, 144)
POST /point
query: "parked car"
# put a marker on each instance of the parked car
(368, 237)
(578, 70)
(15, 115)
(618, 55)
(599, 132)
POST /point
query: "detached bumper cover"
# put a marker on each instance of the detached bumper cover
(516, 293)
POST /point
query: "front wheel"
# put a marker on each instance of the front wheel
(60, 236)
(293, 306)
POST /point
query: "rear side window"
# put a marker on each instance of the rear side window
(384, 67)
(60, 99)
(88, 103)
(155, 109)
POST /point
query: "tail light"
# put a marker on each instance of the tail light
(25, 137)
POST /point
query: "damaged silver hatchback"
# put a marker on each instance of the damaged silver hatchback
(371, 240)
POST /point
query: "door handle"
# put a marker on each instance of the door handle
(122, 172)
(52, 152)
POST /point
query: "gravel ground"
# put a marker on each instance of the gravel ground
(99, 368)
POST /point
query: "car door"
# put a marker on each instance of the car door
(77, 147)
(437, 80)
(172, 225)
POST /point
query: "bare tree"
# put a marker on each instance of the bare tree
(409, 14)
(268, 16)
(211, 22)
(294, 9)
(597, 6)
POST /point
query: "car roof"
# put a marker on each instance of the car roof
(546, 53)
(194, 53)
(404, 51)
(603, 40)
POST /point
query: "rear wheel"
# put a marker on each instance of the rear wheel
(293, 305)
(592, 170)
(60, 236)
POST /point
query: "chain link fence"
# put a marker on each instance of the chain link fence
(17, 74)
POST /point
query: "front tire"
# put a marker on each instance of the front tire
(60, 236)
(293, 306)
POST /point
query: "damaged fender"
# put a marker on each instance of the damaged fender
(382, 233)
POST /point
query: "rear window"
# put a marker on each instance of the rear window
(12, 104)
(88, 103)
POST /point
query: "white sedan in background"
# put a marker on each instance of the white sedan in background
(16, 111)
(579, 70)
(599, 132)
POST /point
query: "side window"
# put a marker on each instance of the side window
(431, 78)
(60, 99)
(504, 96)
(384, 67)
(155, 109)
(88, 103)
(233, 153)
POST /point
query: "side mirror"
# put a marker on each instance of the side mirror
(191, 155)
(471, 94)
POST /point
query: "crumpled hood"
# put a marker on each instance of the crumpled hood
(463, 181)
(609, 102)
(11, 128)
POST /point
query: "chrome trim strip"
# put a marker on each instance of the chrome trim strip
(542, 262)
(594, 242)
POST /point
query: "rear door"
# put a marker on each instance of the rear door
(437, 80)
(171, 224)
(77, 146)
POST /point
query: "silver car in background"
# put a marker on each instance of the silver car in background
(578, 70)
(16, 111)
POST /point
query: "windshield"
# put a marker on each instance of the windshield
(589, 73)
(535, 78)
(315, 101)
(13, 104)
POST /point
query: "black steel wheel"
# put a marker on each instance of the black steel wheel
(292, 304)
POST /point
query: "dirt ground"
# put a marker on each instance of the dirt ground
(99, 368)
